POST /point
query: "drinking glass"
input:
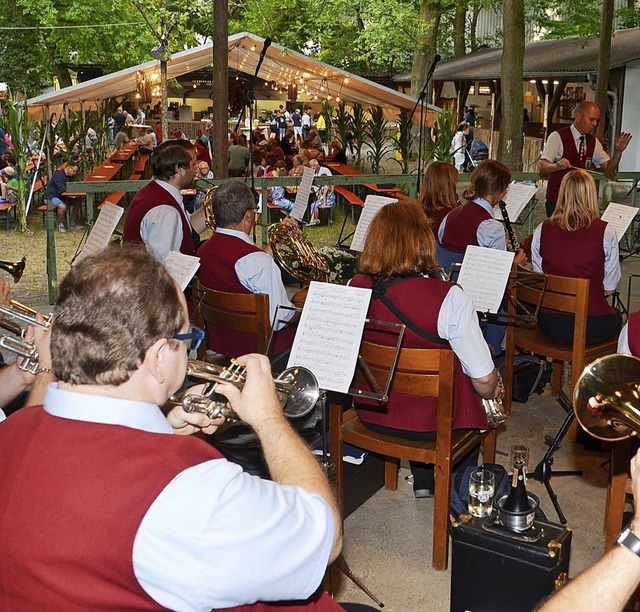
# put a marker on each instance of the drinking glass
(481, 490)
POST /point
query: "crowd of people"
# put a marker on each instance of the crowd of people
(180, 538)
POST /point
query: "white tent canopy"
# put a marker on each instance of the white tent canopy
(280, 65)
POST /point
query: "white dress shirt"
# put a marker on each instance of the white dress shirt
(554, 149)
(161, 227)
(259, 273)
(216, 536)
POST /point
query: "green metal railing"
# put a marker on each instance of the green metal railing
(95, 192)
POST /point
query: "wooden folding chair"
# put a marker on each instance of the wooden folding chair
(423, 373)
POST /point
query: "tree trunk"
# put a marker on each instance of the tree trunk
(459, 29)
(220, 88)
(61, 72)
(604, 58)
(511, 138)
(429, 14)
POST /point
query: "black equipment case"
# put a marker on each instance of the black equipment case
(494, 573)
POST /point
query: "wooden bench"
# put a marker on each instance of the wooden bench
(402, 196)
(135, 177)
(113, 198)
(141, 163)
(350, 197)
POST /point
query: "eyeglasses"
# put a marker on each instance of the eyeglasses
(193, 338)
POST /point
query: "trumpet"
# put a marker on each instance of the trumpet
(297, 390)
(15, 269)
(606, 398)
(20, 346)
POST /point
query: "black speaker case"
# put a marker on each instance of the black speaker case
(491, 573)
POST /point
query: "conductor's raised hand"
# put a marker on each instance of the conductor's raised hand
(622, 141)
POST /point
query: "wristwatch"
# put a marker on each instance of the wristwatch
(629, 540)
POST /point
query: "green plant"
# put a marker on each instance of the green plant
(359, 124)
(378, 139)
(440, 148)
(327, 113)
(18, 125)
(343, 123)
(404, 140)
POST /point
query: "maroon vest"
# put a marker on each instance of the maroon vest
(150, 196)
(218, 257)
(420, 299)
(570, 152)
(72, 496)
(462, 227)
(436, 217)
(633, 333)
(578, 254)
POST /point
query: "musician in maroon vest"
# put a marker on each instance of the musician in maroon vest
(229, 261)
(103, 507)
(575, 146)
(474, 223)
(575, 242)
(157, 216)
(438, 195)
(399, 253)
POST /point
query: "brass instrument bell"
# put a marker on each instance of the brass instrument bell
(15, 269)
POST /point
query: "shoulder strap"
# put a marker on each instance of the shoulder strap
(379, 293)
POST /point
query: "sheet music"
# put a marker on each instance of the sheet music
(181, 267)
(372, 205)
(329, 333)
(518, 196)
(102, 231)
(620, 217)
(484, 275)
(302, 197)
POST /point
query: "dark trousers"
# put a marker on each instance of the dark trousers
(559, 326)
(423, 473)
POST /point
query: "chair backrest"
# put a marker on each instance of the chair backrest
(421, 372)
(564, 294)
(448, 260)
(239, 312)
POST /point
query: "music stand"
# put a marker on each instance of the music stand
(378, 393)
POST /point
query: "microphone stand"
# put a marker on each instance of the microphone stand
(422, 100)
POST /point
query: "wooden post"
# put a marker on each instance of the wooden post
(220, 87)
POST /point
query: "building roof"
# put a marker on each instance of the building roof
(280, 64)
(569, 58)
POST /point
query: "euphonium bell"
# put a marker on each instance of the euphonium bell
(606, 399)
(15, 269)
(296, 388)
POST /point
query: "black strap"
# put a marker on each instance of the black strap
(379, 293)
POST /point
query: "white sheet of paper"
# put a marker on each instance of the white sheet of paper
(372, 205)
(484, 275)
(101, 231)
(620, 216)
(329, 333)
(181, 267)
(302, 197)
(518, 196)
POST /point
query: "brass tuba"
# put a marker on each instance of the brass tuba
(296, 254)
(209, 218)
(606, 398)
(15, 269)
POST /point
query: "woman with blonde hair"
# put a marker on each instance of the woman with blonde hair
(398, 255)
(438, 196)
(575, 242)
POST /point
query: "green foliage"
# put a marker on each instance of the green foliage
(404, 140)
(22, 130)
(327, 113)
(342, 123)
(359, 124)
(440, 148)
(377, 138)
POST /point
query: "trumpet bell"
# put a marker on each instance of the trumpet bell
(606, 399)
(16, 269)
